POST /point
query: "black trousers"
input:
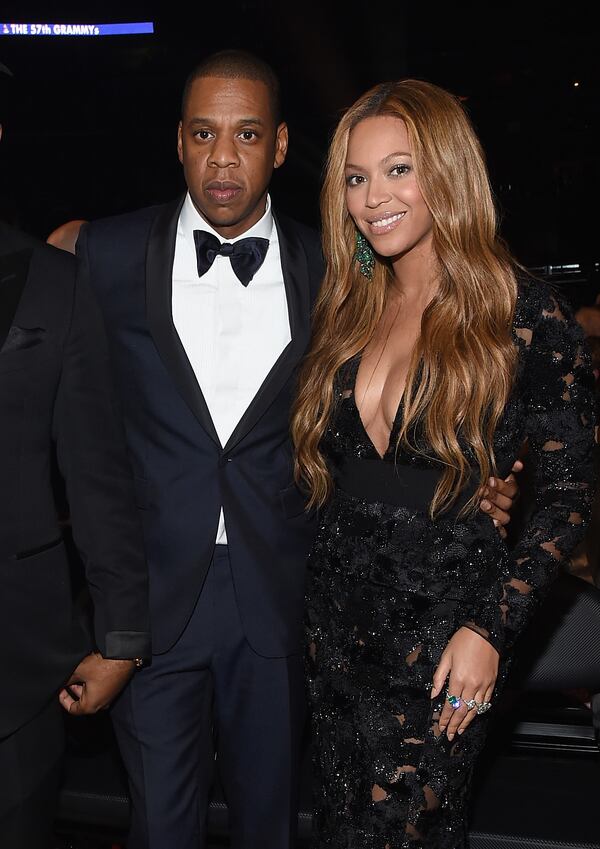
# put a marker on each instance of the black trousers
(30, 766)
(211, 693)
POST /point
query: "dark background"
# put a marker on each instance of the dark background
(93, 124)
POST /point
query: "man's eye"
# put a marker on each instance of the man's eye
(203, 134)
(248, 135)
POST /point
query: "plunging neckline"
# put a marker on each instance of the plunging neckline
(354, 367)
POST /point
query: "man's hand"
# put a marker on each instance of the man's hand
(498, 498)
(95, 683)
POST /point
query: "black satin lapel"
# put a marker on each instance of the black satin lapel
(159, 285)
(295, 276)
(14, 268)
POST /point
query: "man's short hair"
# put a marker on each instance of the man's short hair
(236, 65)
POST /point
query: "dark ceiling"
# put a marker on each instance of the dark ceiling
(92, 131)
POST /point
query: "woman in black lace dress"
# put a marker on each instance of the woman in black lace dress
(435, 359)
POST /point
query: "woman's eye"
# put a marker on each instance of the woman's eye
(400, 169)
(354, 179)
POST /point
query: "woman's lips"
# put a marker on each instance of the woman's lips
(386, 223)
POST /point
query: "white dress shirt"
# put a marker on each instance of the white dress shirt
(232, 334)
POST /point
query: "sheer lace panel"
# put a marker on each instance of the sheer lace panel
(559, 400)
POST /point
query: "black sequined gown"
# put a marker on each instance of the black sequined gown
(388, 586)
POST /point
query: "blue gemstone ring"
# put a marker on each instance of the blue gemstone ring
(453, 701)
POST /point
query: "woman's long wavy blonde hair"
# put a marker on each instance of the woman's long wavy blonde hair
(465, 359)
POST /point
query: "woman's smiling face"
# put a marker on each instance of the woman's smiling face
(382, 193)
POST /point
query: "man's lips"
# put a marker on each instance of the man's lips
(222, 191)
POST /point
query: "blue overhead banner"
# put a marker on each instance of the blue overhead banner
(77, 29)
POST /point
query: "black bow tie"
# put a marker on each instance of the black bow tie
(246, 255)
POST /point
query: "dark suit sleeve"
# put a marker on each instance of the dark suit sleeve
(93, 459)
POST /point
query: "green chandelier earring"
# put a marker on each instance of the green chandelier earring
(364, 256)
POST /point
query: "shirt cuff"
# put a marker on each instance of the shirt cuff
(126, 645)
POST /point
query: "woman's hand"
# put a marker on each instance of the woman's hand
(470, 664)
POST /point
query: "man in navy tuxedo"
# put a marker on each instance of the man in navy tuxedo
(205, 343)
(207, 303)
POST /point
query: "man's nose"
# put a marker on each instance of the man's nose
(223, 153)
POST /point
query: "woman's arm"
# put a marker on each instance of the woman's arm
(560, 427)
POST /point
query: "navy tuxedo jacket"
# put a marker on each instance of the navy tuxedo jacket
(183, 475)
(55, 388)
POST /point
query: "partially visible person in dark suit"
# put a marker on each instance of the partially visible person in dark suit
(55, 390)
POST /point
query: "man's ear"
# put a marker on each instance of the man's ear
(281, 145)
(180, 142)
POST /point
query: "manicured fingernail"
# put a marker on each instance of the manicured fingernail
(450, 736)
(496, 522)
(460, 730)
(492, 482)
(485, 505)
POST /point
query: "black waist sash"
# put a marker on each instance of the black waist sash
(371, 479)
(397, 484)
